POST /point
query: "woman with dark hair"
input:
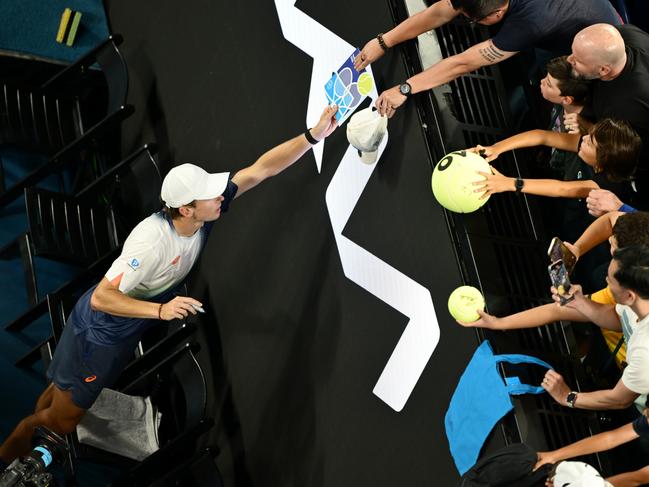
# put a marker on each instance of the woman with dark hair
(611, 148)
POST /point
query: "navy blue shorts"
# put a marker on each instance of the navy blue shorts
(85, 368)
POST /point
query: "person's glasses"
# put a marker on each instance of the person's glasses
(473, 21)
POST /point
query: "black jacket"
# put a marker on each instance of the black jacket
(508, 467)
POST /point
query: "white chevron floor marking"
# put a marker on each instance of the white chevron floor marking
(421, 335)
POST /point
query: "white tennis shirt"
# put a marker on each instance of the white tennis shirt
(154, 258)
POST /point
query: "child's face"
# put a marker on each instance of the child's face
(550, 90)
(588, 150)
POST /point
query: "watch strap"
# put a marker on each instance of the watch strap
(519, 184)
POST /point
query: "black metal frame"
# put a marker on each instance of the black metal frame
(27, 250)
(52, 92)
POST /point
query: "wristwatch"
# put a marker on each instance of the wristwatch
(572, 397)
(405, 89)
(518, 184)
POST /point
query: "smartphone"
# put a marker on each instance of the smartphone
(558, 251)
(560, 281)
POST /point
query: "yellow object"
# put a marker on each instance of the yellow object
(63, 26)
(73, 29)
(365, 84)
(453, 179)
(464, 303)
(610, 337)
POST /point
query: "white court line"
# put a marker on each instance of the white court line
(421, 335)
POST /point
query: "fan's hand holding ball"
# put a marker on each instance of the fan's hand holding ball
(488, 152)
(454, 180)
(493, 182)
(464, 303)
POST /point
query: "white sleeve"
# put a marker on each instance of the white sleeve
(636, 374)
(137, 262)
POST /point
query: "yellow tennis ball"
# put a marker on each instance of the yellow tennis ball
(365, 84)
(464, 303)
(453, 180)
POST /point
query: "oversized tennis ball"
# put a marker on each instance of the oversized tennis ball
(464, 303)
(453, 180)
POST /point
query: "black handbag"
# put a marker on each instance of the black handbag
(508, 467)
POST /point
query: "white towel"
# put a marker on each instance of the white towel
(121, 424)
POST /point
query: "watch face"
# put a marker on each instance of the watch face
(404, 89)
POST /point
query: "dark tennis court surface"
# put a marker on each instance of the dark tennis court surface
(295, 346)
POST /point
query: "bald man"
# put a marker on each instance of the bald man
(617, 60)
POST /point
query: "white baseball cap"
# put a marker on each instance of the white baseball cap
(188, 182)
(365, 131)
(578, 474)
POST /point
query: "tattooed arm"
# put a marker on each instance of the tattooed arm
(490, 53)
(482, 54)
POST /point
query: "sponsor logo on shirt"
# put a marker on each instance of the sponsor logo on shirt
(175, 261)
(134, 264)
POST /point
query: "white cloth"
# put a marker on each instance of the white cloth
(578, 474)
(154, 258)
(636, 335)
(121, 424)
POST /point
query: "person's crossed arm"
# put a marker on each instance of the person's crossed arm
(108, 298)
(138, 262)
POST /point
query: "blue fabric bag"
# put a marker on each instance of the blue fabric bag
(480, 400)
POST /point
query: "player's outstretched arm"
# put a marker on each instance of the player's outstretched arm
(109, 299)
(284, 155)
